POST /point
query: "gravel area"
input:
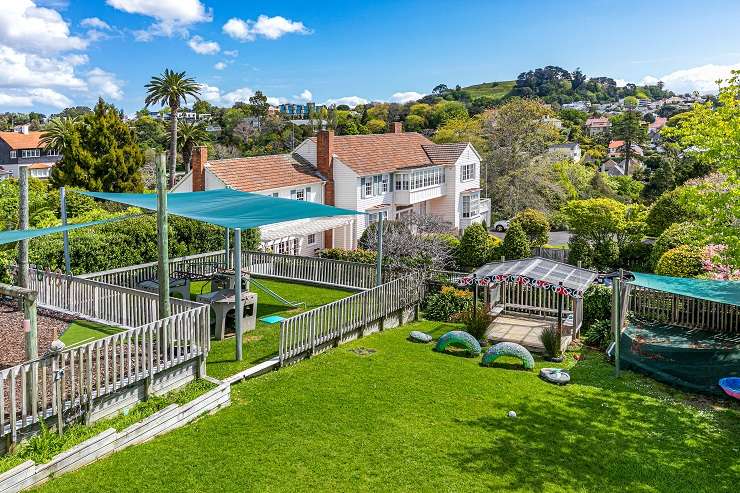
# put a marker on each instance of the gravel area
(12, 343)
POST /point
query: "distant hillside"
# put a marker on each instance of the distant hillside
(496, 90)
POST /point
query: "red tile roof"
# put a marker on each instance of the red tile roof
(444, 153)
(253, 174)
(659, 122)
(41, 166)
(616, 144)
(17, 140)
(597, 122)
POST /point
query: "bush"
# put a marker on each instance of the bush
(369, 236)
(671, 207)
(558, 221)
(359, 255)
(597, 304)
(635, 255)
(475, 324)
(477, 247)
(551, 340)
(515, 244)
(677, 234)
(447, 302)
(606, 255)
(599, 334)
(682, 261)
(453, 245)
(580, 250)
(535, 226)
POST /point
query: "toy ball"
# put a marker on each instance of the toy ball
(512, 414)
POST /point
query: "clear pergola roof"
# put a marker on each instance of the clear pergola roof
(541, 269)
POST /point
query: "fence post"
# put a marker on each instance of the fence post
(616, 309)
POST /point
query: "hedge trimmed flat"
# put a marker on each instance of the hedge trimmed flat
(417, 336)
(509, 349)
(461, 340)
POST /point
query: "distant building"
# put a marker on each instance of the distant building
(295, 110)
(577, 105)
(24, 147)
(597, 125)
(555, 122)
(616, 149)
(657, 124)
(571, 149)
(613, 168)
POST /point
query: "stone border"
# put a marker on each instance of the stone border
(30, 474)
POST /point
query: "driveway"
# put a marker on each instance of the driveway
(554, 237)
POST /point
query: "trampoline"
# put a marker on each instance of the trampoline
(693, 360)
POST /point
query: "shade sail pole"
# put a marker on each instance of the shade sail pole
(379, 258)
(23, 225)
(238, 291)
(65, 234)
(163, 266)
(616, 309)
(226, 248)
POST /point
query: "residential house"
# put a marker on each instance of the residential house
(570, 150)
(657, 125)
(597, 125)
(616, 149)
(551, 120)
(384, 175)
(577, 105)
(23, 147)
(613, 168)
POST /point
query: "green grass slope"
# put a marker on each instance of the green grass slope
(496, 90)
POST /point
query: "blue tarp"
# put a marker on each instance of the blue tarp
(24, 234)
(706, 289)
(229, 208)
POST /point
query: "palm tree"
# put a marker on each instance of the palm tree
(171, 89)
(59, 132)
(192, 135)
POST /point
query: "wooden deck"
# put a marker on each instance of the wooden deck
(520, 329)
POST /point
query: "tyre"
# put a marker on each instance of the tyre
(499, 228)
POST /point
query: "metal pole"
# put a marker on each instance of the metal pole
(226, 248)
(238, 291)
(163, 266)
(379, 259)
(475, 296)
(65, 234)
(23, 224)
(560, 311)
(616, 309)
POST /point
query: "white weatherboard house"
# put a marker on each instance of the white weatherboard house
(385, 175)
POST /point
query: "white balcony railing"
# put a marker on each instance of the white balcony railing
(410, 197)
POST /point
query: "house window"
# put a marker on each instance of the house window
(467, 172)
(26, 153)
(471, 205)
(276, 194)
(12, 154)
(374, 186)
(427, 178)
(385, 183)
(52, 152)
(300, 194)
(287, 247)
(311, 239)
(402, 181)
(375, 216)
(367, 186)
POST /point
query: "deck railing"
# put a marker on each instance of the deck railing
(684, 311)
(329, 324)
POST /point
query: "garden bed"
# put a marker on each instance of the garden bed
(12, 339)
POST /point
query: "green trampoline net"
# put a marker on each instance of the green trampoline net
(692, 360)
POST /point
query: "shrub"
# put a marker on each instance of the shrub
(677, 234)
(453, 244)
(599, 334)
(580, 250)
(359, 255)
(535, 226)
(477, 246)
(475, 324)
(515, 244)
(635, 255)
(671, 207)
(606, 255)
(682, 261)
(558, 221)
(447, 302)
(597, 304)
(551, 340)
(368, 238)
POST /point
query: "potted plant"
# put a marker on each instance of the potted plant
(550, 339)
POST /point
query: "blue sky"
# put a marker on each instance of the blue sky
(61, 52)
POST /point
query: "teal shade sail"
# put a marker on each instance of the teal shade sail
(26, 234)
(706, 289)
(229, 208)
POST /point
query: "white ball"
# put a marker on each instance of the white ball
(57, 345)
(512, 414)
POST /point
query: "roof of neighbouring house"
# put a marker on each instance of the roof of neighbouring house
(616, 144)
(567, 145)
(378, 153)
(40, 165)
(17, 140)
(252, 174)
(597, 122)
(659, 122)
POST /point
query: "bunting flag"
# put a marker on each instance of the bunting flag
(521, 281)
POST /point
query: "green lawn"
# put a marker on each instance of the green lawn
(84, 331)
(262, 343)
(407, 419)
(496, 90)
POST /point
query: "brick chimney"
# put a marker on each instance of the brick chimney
(198, 163)
(397, 128)
(325, 165)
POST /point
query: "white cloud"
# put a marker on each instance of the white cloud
(264, 26)
(171, 15)
(350, 101)
(95, 23)
(220, 65)
(213, 95)
(31, 70)
(620, 82)
(232, 53)
(203, 47)
(702, 78)
(33, 98)
(273, 101)
(26, 26)
(305, 95)
(105, 84)
(405, 97)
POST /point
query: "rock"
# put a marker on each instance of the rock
(57, 346)
(418, 336)
(555, 375)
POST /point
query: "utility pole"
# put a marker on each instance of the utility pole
(23, 224)
(65, 234)
(163, 267)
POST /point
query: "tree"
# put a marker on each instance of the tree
(477, 247)
(376, 126)
(446, 110)
(535, 226)
(151, 133)
(440, 90)
(628, 127)
(102, 154)
(515, 245)
(462, 129)
(414, 123)
(172, 89)
(192, 135)
(259, 103)
(59, 133)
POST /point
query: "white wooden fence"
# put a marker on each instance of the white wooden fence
(306, 333)
(337, 273)
(684, 311)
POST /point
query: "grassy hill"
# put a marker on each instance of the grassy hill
(494, 89)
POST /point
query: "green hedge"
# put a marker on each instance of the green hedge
(675, 235)
(359, 255)
(682, 261)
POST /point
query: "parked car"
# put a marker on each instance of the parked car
(501, 225)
